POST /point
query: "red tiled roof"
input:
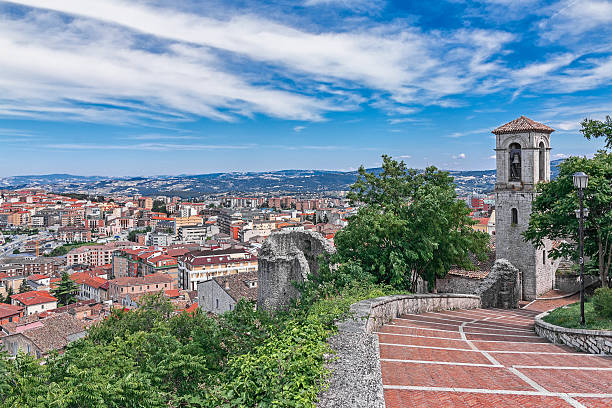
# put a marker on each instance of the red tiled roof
(34, 297)
(522, 124)
(172, 293)
(9, 310)
(37, 277)
(88, 279)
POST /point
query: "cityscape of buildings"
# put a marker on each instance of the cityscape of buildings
(117, 249)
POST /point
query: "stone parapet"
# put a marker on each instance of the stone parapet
(357, 380)
(588, 341)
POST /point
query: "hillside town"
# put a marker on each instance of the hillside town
(117, 249)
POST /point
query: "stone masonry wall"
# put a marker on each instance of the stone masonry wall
(357, 380)
(287, 257)
(500, 288)
(457, 284)
(588, 341)
(538, 271)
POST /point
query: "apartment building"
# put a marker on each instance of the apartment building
(137, 286)
(200, 266)
(95, 255)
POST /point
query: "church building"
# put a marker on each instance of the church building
(523, 160)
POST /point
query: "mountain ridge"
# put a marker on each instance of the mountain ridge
(280, 181)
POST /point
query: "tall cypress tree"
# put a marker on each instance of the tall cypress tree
(66, 291)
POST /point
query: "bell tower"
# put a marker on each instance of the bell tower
(522, 149)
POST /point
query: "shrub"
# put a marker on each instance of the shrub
(602, 302)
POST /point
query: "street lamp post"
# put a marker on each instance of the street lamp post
(581, 181)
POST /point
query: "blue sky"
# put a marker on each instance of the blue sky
(145, 87)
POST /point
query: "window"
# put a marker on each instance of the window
(514, 212)
(217, 303)
(544, 257)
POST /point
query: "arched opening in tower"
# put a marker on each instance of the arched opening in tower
(542, 162)
(515, 162)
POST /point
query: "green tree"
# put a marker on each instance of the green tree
(16, 251)
(66, 291)
(9, 293)
(411, 226)
(159, 206)
(597, 128)
(553, 214)
(24, 287)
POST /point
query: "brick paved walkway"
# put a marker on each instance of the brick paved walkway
(544, 305)
(486, 358)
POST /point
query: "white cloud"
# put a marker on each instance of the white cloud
(46, 72)
(396, 121)
(299, 128)
(408, 64)
(406, 156)
(560, 156)
(460, 156)
(571, 18)
(94, 66)
(482, 131)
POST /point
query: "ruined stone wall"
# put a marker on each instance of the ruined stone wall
(457, 284)
(287, 257)
(502, 286)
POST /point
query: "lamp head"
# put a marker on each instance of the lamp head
(581, 180)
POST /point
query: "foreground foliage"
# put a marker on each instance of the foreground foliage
(147, 358)
(569, 316)
(602, 302)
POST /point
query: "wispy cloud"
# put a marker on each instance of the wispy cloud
(299, 128)
(408, 64)
(482, 131)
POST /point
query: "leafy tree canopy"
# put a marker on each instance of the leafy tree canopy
(553, 215)
(412, 225)
(597, 128)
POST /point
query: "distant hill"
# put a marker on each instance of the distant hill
(284, 181)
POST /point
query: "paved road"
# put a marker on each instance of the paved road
(486, 358)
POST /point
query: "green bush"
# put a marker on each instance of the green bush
(602, 302)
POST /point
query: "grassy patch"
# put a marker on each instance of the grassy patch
(569, 316)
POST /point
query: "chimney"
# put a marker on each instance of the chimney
(227, 284)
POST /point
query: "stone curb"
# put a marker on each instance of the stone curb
(356, 379)
(588, 341)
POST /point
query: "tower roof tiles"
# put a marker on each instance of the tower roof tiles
(522, 124)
